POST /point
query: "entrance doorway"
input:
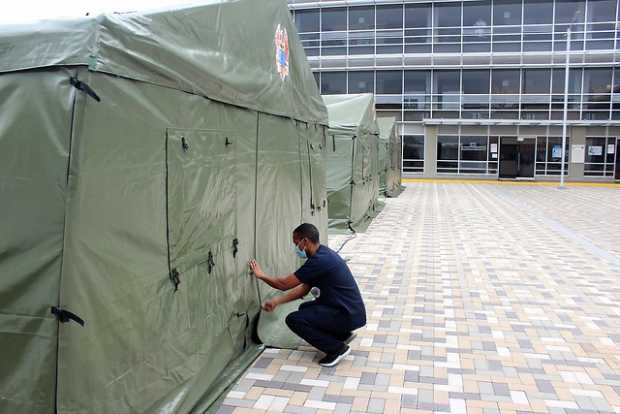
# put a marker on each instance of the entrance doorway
(617, 159)
(517, 157)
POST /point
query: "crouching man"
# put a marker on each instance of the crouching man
(328, 322)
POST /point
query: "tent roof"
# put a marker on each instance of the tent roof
(350, 112)
(386, 125)
(208, 50)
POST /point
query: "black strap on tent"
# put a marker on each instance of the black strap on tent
(308, 145)
(184, 144)
(210, 262)
(235, 244)
(65, 316)
(174, 278)
(84, 88)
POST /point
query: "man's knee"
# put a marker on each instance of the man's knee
(292, 320)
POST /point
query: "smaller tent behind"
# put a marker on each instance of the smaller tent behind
(352, 162)
(390, 157)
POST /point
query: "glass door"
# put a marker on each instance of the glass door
(508, 157)
(526, 158)
(517, 157)
(617, 159)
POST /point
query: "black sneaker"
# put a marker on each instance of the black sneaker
(332, 360)
(350, 338)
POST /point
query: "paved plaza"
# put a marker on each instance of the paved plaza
(481, 299)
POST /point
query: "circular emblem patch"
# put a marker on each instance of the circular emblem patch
(282, 51)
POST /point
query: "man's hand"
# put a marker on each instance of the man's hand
(255, 268)
(270, 305)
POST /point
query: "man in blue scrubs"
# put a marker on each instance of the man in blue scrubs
(328, 322)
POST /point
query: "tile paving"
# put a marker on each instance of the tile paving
(481, 299)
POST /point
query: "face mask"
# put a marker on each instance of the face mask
(301, 253)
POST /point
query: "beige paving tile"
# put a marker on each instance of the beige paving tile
(506, 288)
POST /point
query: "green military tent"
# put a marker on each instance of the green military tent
(352, 162)
(390, 156)
(144, 159)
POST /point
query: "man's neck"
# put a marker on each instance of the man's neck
(312, 249)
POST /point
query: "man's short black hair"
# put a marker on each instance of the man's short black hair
(308, 231)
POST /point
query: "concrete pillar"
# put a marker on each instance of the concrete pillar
(430, 151)
(575, 169)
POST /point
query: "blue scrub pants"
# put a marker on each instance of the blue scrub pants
(323, 327)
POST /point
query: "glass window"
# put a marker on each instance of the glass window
(413, 153)
(616, 88)
(595, 156)
(473, 155)
(506, 12)
(597, 80)
(447, 147)
(334, 19)
(505, 81)
(477, 13)
(390, 17)
(476, 81)
(601, 10)
(554, 155)
(574, 81)
(307, 21)
(536, 81)
(418, 15)
(541, 152)
(538, 12)
(413, 147)
(569, 11)
(362, 82)
(446, 82)
(448, 14)
(361, 18)
(389, 81)
(333, 82)
(418, 82)
(317, 79)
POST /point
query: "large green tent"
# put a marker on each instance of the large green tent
(352, 162)
(144, 159)
(390, 156)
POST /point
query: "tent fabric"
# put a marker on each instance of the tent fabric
(135, 206)
(390, 157)
(352, 162)
(207, 50)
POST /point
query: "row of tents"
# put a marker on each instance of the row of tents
(144, 159)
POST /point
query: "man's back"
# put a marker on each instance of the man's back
(327, 271)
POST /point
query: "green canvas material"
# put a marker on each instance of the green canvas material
(390, 157)
(177, 156)
(353, 164)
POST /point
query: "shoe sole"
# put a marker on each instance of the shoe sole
(337, 360)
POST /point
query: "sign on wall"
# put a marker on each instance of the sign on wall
(578, 154)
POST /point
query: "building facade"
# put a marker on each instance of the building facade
(478, 86)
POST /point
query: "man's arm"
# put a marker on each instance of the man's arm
(295, 293)
(281, 283)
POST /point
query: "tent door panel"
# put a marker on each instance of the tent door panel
(202, 227)
(201, 192)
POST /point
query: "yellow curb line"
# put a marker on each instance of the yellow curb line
(501, 182)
